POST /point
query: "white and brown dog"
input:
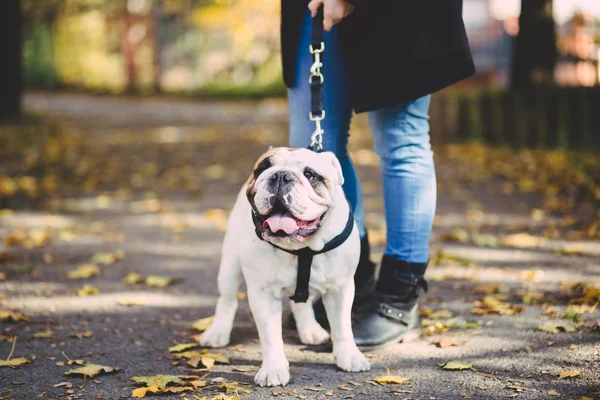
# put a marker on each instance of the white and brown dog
(293, 200)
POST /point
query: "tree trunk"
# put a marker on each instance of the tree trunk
(10, 49)
(535, 54)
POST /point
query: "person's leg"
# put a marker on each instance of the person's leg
(338, 111)
(401, 138)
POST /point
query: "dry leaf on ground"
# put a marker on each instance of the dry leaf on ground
(14, 362)
(133, 278)
(182, 347)
(569, 374)
(159, 281)
(88, 290)
(84, 271)
(493, 305)
(384, 380)
(81, 335)
(107, 258)
(12, 316)
(203, 323)
(457, 365)
(556, 327)
(91, 370)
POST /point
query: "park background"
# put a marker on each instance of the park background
(128, 126)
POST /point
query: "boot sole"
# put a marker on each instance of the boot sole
(409, 336)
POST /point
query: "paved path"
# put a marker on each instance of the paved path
(158, 188)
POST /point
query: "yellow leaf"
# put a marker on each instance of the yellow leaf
(107, 258)
(81, 335)
(88, 290)
(139, 392)
(203, 324)
(160, 381)
(181, 347)
(208, 362)
(553, 393)
(130, 302)
(84, 271)
(12, 316)
(133, 278)
(457, 365)
(91, 370)
(522, 240)
(43, 335)
(384, 380)
(14, 362)
(159, 281)
(556, 327)
(569, 374)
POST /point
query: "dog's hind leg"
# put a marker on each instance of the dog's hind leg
(230, 273)
(309, 330)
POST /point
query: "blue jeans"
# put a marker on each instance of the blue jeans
(401, 139)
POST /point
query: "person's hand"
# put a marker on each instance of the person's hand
(333, 11)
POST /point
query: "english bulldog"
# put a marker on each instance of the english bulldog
(293, 200)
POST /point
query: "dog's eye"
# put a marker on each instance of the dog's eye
(310, 176)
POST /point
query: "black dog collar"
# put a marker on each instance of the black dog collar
(306, 254)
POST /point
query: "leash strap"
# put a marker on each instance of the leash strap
(315, 81)
(306, 254)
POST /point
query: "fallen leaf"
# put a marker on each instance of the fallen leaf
(522, 240)
(67, 385)
(91, 370)
(556, 327)
(457, 365)
(133, 278)
(241, 368)
(12, 316)
(130, 302)
(14, 362)
(161, 381)
(159, 281)
(88, 290)
(47, 334)
(220, 358)
(203, 323)
(208, 362)
(84, 271)
(236, 387)
(107, 258)
(553, 393)
(492, 305)
(384, 380)
(181, 347)
(569, 374)
(489, 288)
(81, 335)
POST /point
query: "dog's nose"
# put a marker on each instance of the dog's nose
(282, 176)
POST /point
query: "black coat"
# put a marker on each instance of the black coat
(395, 50)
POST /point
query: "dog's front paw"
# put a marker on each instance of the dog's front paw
(215, 336)
(352, 360)
(272, 376)
(313, 334)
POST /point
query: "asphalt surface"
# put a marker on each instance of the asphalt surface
(173, 226)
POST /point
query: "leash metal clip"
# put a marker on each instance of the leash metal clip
(316, 139)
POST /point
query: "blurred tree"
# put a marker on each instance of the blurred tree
(10, 47)
(535, 51)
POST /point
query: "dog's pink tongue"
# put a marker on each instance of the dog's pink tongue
(282, 222)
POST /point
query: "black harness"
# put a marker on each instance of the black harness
(306, 254)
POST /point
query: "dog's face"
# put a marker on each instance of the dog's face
(290, 192)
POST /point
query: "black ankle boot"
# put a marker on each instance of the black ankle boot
(364, 281)
(394, 316)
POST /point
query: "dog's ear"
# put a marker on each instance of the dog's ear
(336, 165)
